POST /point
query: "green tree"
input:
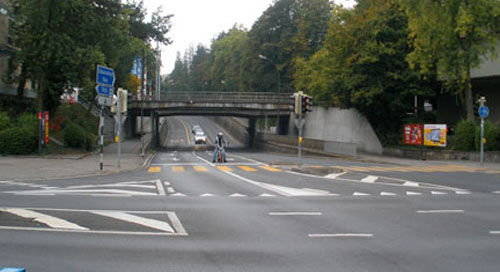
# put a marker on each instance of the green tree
(363, 65)
(450, 37)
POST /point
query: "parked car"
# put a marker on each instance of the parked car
(200, 137)
(196, 128)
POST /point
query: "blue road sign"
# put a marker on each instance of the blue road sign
(105, 76)
(484, 111)
(104, 90)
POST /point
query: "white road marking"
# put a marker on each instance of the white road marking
(495, 232)
(496, 192)
(137, 233)
(462, 192)
(387, 194)
(438, 193)
(178, 194)
(206, 195)
(72, 192)
(170, 190)
(166, 183)
(295, 213)
(107, 185)
(51, 221)
(413, 193)
(369, 179)
(19, 183)
(335, 175)
(150, 223)
(341, 235)
(109, 195)
(159, 186)
(360, 194)
(267, 195)
(237, 195)
(440, 211)
(411, 184)
(176, 223)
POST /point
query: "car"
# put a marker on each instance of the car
(200, 137)
(195, 129)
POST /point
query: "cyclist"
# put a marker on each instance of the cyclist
(220, 145)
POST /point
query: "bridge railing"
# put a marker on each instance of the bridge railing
(227, 97)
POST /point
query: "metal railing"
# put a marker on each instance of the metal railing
(226, 97)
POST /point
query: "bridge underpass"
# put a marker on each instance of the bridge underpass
(245, 105)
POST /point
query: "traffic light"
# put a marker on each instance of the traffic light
(306, 104)
(298, 103)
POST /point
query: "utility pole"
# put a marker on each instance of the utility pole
(101, 137)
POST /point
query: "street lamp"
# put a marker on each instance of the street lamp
(279, 83)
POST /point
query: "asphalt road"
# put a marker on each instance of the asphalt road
(185, 213)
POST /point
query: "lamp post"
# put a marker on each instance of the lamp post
(262, 57)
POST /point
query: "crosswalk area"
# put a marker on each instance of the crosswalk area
(157, 223)
(228, 167)
(443, 168)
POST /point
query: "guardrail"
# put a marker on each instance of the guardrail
(225, 97)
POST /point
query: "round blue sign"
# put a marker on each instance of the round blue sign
(484, 111)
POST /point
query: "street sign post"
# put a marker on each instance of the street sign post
(105, 76)
(105, 80)
(483, 111)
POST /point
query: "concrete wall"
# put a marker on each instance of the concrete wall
(341, 126)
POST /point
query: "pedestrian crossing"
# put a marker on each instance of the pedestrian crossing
(202, 168)
(155, 223)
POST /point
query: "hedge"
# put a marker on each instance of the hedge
(76, 137)
(17, 141)
(4, 121)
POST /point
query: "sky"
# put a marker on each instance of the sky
(199, 21)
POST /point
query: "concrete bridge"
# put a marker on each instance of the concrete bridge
(247, 105)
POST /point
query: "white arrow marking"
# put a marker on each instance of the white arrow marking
(387, 194)
(207, 195)
(412, 193)
(411, 184)
(48, 220)
(369, 179)
(438, 193)
(360, 194)
(151, 223)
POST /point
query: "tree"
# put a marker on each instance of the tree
(450, 38)
(362, 64)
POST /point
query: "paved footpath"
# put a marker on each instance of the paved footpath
(44, 168)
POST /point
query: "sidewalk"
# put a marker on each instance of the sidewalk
(19, 168)
(413, 162)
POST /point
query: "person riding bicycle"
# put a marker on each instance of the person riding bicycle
(220, 145)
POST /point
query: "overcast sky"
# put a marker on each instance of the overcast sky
(199, 21)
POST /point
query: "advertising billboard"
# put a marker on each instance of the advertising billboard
(413, 134)
(435, 135)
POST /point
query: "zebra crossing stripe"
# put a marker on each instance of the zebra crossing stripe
(224, 168)
(48, 220)
(247, 168)
(150, 223)
(200, 168)
(271, 169)
(178, 169)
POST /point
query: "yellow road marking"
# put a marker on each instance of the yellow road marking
(269, 168)
(178, 169)
(154, 169)
(224, 168)
(247, 168)
(200, 168)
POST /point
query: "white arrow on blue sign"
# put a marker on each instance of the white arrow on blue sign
(484, 111)
(104, 90)
(105, 76)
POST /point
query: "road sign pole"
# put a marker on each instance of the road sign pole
(101, 138)
(118, 130)
(300, 141)
(483, 113)
(481, 155)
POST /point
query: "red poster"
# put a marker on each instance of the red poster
(46, 121)
(413, 134)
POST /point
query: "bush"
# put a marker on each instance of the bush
(28, 121)
(74, 136)
(17, 141)
(465, 132)
(492, 135)
(4, 121)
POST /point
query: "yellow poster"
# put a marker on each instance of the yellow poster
(435, 135)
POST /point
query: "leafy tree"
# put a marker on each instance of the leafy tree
(450, 37)
(362, 64)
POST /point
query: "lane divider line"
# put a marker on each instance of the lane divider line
(160, 188)
(369, 179)
(295, 213)
(440, 211)
(341, 235)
